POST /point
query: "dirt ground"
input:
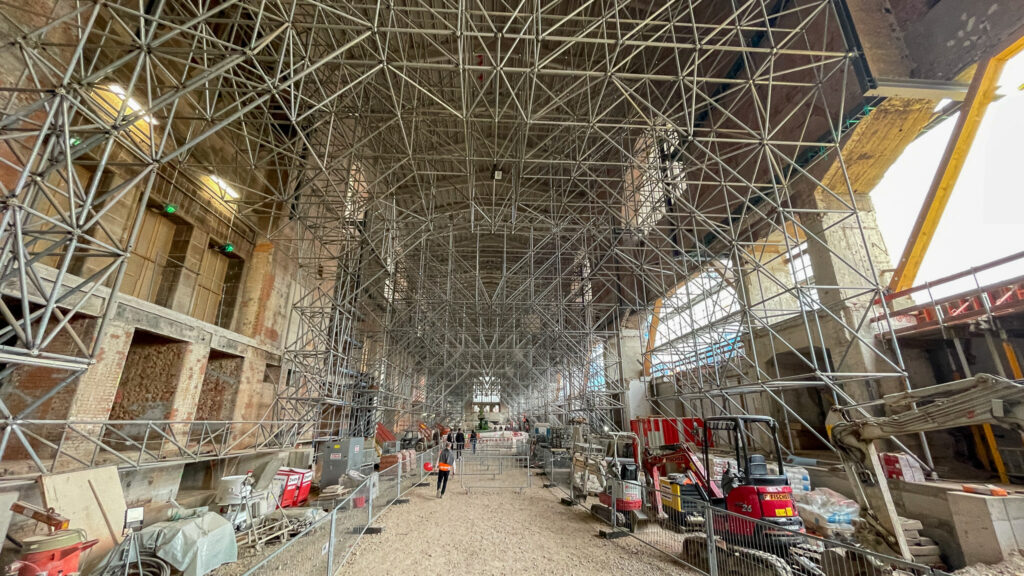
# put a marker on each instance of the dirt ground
(499, 533)
(1013, 566)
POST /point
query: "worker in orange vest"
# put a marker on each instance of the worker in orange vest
(445, 461)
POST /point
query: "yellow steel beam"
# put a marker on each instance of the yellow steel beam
(1011, 357)
(979, 447)
(997, 458)
(979, 96)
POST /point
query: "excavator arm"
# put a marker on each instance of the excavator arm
(982, 399)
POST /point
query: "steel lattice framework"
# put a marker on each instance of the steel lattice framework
(478, 193)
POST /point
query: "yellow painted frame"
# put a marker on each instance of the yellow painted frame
(979, 96)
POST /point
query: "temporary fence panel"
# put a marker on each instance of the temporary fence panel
(494, 472)
(554, 464)
(717, 542)
(503, 446)
(324, 547)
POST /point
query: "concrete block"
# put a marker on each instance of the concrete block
(907, 524)
(301, 458)
(917, 551)
(928, 560)
(1015, 512)
(983, 526)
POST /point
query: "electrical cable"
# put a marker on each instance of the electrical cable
(150, 564)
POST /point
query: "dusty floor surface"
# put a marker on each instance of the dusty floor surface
(1013, 566)
(498, 533)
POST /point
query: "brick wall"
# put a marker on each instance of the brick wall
(97, 387)
(256, 394)
(28, 383)
(151, 371)
(221, 386)
(264, 298)
(161, 379)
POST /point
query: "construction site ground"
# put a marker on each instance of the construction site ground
(1012, 566)
(485, 532)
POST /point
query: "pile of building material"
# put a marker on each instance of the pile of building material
(923, 549)
(827, 513)
(560, 437)
(900, 466)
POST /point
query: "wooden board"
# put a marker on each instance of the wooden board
(6, 499)
(92, 500)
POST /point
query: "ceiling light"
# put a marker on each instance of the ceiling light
(225, 188)
(133, 104)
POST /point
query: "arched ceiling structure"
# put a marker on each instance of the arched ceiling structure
(483, 188)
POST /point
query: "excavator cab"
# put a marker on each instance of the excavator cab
(753, 489)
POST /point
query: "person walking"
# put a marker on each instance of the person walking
(460, 444)
(472, 440)
(445, 461)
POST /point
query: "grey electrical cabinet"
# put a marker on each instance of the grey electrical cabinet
(338, 457)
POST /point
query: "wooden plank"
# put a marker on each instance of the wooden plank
(88, 498)
(6, 499)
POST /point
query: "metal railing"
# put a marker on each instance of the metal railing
(32, 447)
(988, 291)
(554, 464)
(494, 471)
(505, 446)
(324, 547)
(716, 542)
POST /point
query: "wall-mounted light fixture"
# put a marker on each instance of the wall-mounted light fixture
(225, 189)
(133, 105)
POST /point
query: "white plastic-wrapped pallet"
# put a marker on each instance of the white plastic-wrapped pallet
(826, 511)
(799, 479)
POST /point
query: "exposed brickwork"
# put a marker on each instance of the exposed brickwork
(97, 387)
(255, 395)
(28, 383)
(221, 386)
(190, 381)
(161, 379)
(264, 299)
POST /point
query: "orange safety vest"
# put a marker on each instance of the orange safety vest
(444, 467)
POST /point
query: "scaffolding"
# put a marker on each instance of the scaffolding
(471, 192)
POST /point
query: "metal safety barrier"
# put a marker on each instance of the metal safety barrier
(323, 547)
(716, 542)
(554, 464)
(505, 472)
(504, 446)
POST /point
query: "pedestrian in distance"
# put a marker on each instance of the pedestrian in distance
(445, 462)
(460, 443)
(472, 440)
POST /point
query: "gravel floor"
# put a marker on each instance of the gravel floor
(498, 533)
(1013, 566)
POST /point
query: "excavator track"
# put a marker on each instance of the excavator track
(733, 560)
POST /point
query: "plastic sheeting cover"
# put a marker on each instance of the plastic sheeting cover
(194, 546)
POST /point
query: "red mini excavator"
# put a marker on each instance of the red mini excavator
(750, 491)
